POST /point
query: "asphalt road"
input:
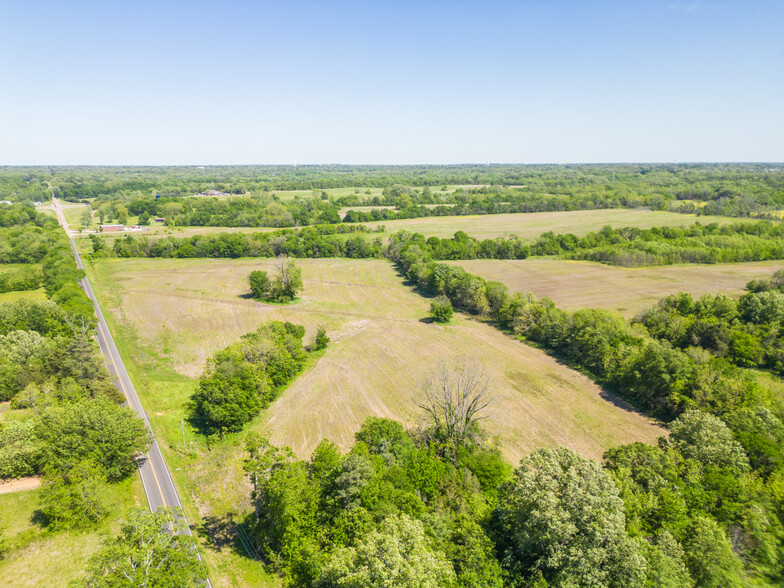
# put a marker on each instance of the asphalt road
(158, 484)
(157, 481)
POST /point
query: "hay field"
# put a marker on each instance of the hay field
(586, 284)
(530, 225)
(181, 311)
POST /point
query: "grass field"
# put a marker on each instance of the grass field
(526, 225)
(73, 214)
(585, 284)
(38, 557)
(531, 225)
(39, 294)
(168, 316)
(183, 311)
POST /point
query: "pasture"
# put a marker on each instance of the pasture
(586, 284)
(526, 225)
(183, 311)
(530, 225)
(168, 316)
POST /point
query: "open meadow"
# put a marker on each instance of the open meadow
(184, 311)
(168, 316)
(530, 225)
(586, 284)
(38, 557)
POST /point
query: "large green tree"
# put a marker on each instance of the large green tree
(561, 517)
(397, 555)
(74, 498)
(153, 549)
(98, 429)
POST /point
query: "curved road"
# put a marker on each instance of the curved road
(158, 484)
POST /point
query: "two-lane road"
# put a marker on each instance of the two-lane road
(158, 484)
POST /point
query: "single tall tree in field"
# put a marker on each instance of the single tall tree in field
(287, 281)
(454, 396)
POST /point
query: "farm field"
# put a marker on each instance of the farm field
(530, 225)
(527, 225)
(168, 316)
(183, 311)
(586, 284)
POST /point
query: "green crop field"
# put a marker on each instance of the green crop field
(168, 316)
(585, 284)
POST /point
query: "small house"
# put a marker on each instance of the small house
(112, 228)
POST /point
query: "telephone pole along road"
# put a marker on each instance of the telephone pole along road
(157, 481)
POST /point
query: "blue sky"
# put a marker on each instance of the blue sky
(390, 82)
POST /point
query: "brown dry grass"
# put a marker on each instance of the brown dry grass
(585, 284)
(185, 310)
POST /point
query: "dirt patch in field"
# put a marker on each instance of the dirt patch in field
(19, 484)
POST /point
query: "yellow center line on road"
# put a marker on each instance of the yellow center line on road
(122, 389)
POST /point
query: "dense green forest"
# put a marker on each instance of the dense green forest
(748, 332)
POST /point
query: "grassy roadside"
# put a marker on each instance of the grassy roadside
(38, 557)
(209, 480)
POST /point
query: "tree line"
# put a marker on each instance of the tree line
(29, 237)
(748, 332)
(315, 242)
(628, 246)
(397, 510)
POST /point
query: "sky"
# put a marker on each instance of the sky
(390, 82)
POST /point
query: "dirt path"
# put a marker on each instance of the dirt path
(20, 484)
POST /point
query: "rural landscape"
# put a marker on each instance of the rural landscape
(345, 294)
(468, 392)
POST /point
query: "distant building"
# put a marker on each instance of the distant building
(112, 228)
(5, 202)
(160, 219)
(213, 193)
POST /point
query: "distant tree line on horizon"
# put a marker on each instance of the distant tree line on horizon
(746, 190)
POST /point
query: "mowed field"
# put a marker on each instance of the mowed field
(526, 225)
(530, 225)
(585, 284)
(182, 311)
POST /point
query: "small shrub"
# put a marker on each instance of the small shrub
(321, 340)
(441, 310)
